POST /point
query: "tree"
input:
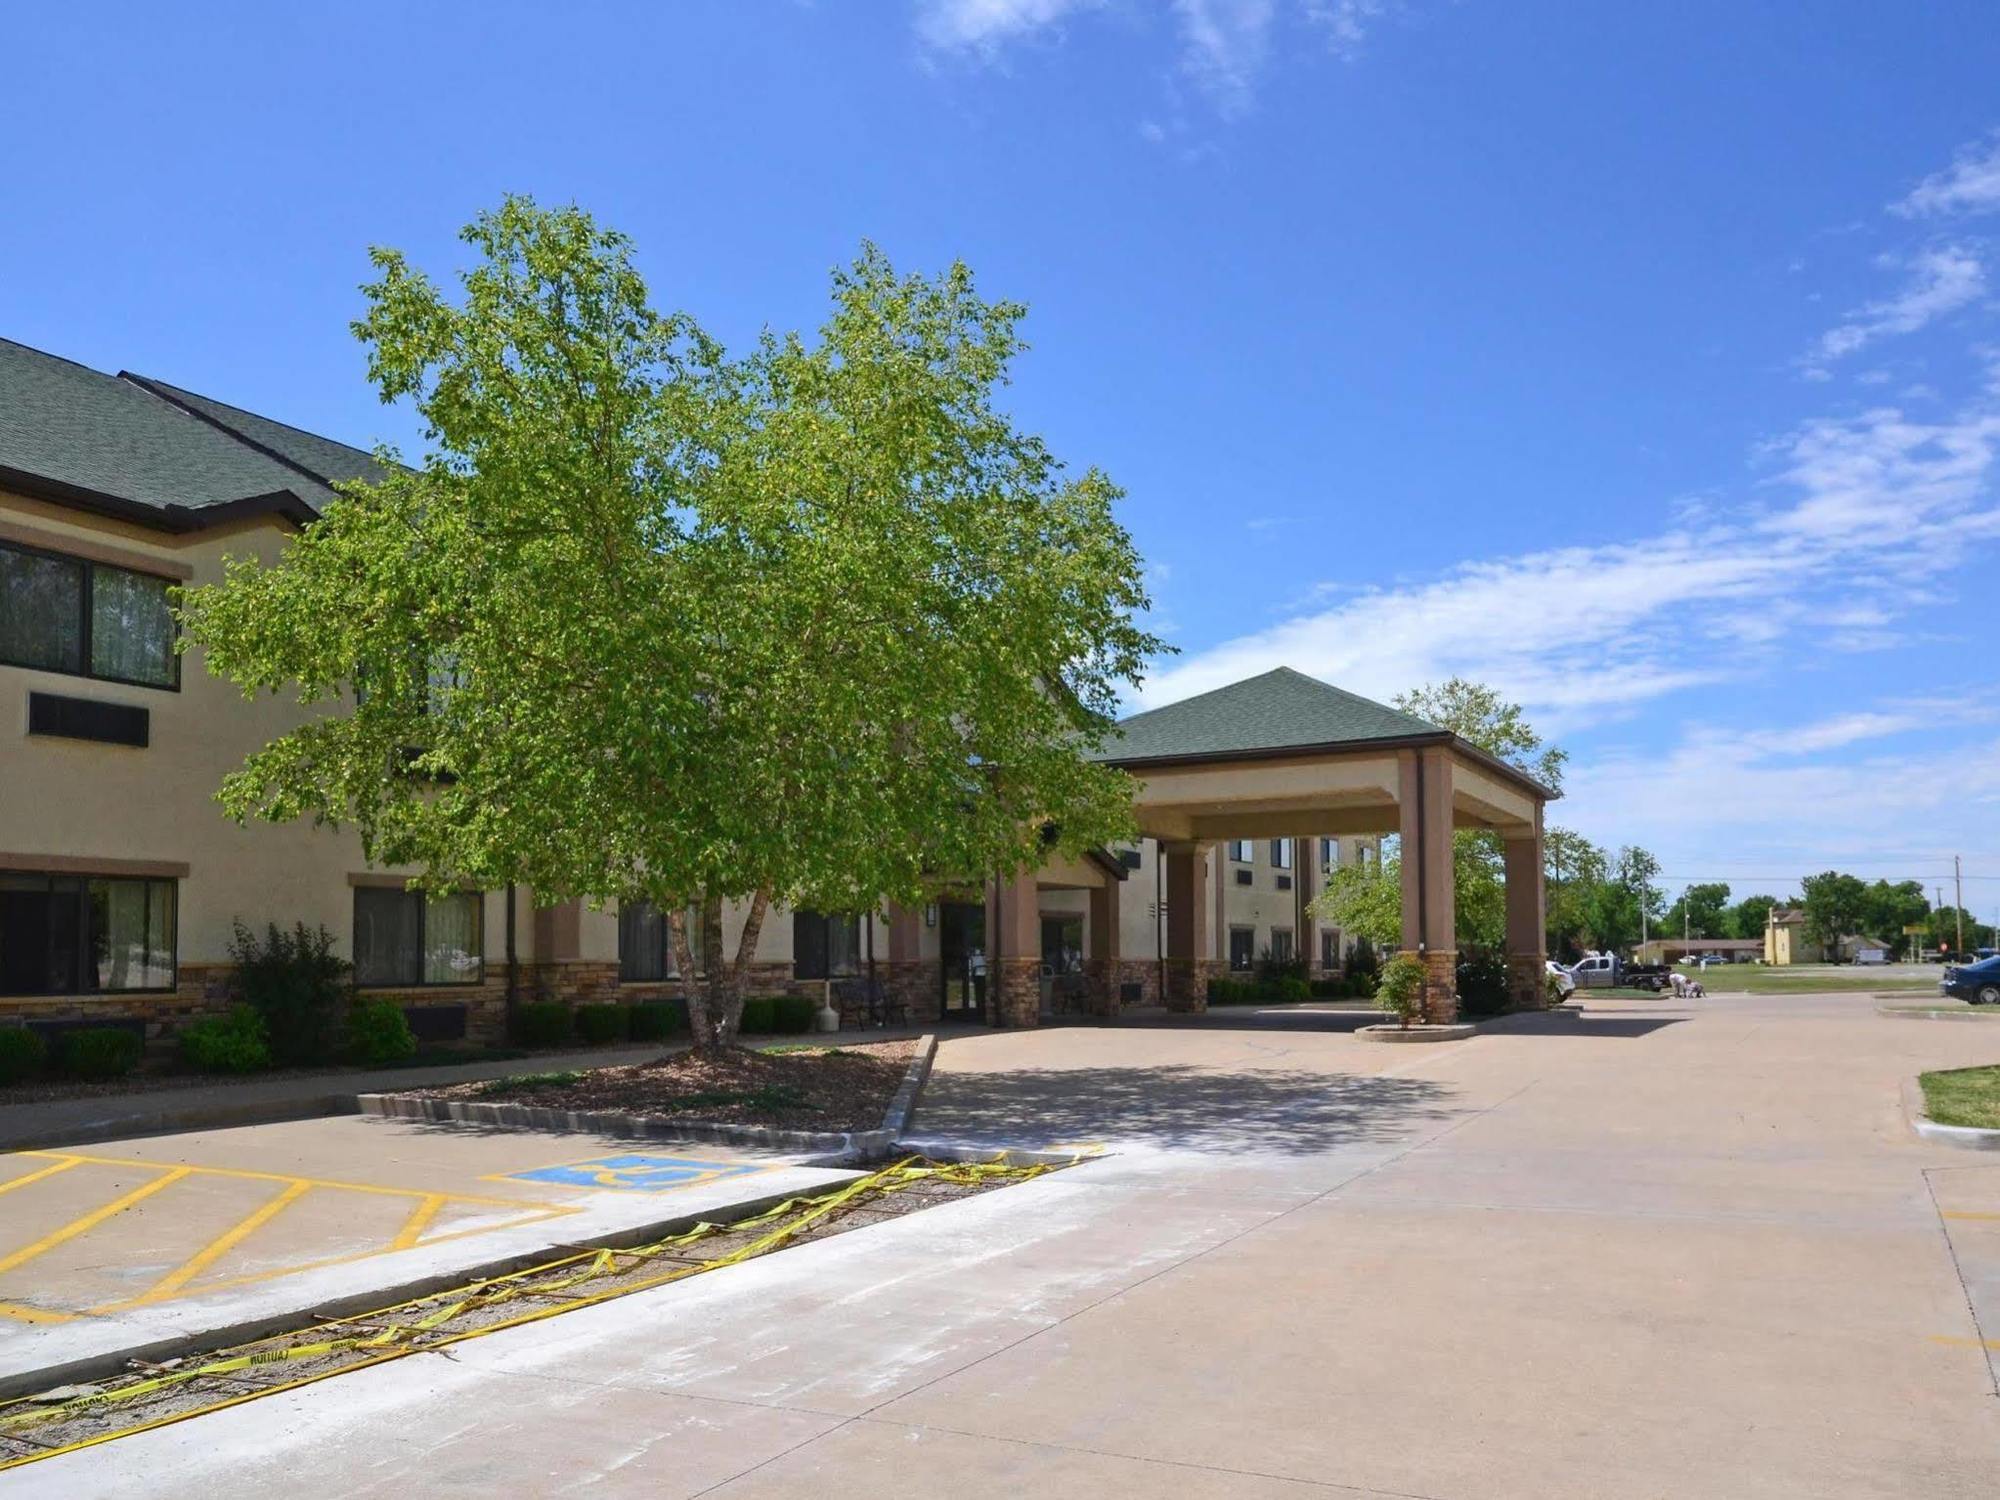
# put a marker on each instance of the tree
(819, 625)
(1749, 917)
(1572, 868)
(1478, 715)
(1701, 912)
(1833, 905)
(1886, 909)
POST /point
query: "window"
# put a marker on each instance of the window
(1329, 854)
(1242, 948)
(402, 938)
(1368, 855)
(66, 614)
(77, 934)
(824, 947)
(646, 943)
(1243, 851)
(1281, 945)
(1281, 854)
(1329, 947)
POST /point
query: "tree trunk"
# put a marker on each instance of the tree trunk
(715, 1000)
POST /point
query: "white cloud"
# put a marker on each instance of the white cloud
(1971, 184)
(1579, 633)
(1223, 44)
(1347, 22)
(1941, 280)
(984, 26)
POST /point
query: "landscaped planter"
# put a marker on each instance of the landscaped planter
(1390, 1032)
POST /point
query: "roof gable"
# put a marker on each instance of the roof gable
(321, 458)
(1280, 709)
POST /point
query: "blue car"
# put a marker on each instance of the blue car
(1977, 984)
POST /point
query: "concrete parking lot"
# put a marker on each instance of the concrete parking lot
(1664, 1251)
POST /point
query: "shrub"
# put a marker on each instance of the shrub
(791, 1014)
(1482, 985)
(1271, 970)
(759, 1016)
(233, 1043)
(379, 1033)
(22, 1053)
(1231, 992)
(1363, 962)
(1329, 987)
(1290, 989)
(297, 985)
(100, 1052)
(601, 1025)
(542, 1023)
(1361, 986)
(1401, 989)
(1552, 990)
(658, 1019)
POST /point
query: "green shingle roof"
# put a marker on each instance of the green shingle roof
(79, 429)
(1278, 710)
(322, 458)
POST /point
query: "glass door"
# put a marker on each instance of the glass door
(1062, 964)
(962, 949)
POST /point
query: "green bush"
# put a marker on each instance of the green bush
(658, 1019)
(792, 1014)
(233, 1043)
(297, 985)
(1362, 962)
(1272, 970)
(1482, 985)
(99, 1052)
(1290, 989)
(759, 1016)
(1231, 992)
(378, 1033)
(1361, 986)
(1401, 989)
(1329, 987)
(22, 1053)
(543, 1023)
(601, 1025)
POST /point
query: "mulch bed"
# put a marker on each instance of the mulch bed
(792, 1088)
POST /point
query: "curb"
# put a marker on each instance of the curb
(1410, 1034)
(1926, 1013)
(1965, 1137)
(823, 1148)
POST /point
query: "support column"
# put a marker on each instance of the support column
(1305, 865)
(1188, 954)
(1014, 952)
(1526, 918)
(1429, 898)
(908, 979)
(1101, 968)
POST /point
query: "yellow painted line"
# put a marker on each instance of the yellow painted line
(1959, 1342)
(220, 1246)
(39, 1173)
(1959, 1214)
(91, 1220)
(418, 1221)
(320, 1182)
(22, 1314)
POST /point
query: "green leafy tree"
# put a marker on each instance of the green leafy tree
(1573, 868)
(1478, 715)
(1700, 912)
(1833, 905)
(1888, 907)
(1749, 917)
(817, 625)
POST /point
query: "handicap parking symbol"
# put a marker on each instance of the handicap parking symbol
(635, 1174)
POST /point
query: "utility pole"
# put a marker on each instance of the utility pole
(1958, 897)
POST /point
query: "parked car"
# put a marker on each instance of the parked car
(1565, 985)
(1977, 984)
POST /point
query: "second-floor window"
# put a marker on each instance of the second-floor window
(1329, 854)
(1281, 854)
(1243, 851)
(68, 614)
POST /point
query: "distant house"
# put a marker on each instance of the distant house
(1787, 942)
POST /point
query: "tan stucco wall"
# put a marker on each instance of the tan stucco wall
(82, 800)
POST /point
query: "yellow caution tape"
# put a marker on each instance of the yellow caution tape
(399, 1339)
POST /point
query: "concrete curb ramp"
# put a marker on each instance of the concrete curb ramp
(1409, 1034)
(1965, 1137)
(819, 1147)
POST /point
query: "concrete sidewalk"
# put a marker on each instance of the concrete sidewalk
(1681, 1254)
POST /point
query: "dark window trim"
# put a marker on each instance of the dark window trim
(90, 567)
(84, 877)
(423, 918)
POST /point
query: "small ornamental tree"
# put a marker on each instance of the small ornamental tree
(817, 625)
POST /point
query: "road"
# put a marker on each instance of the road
(1663, 1252)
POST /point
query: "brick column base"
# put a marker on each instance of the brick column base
(1440, 1004)
(1014, 992)
(1527, 985)
(1187, 984)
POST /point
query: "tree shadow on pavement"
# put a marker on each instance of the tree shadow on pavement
(1249, 1110)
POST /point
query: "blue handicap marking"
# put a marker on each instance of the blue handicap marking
(636, 1174)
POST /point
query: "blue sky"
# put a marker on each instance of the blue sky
(1639, 359)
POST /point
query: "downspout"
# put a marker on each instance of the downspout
(1160, 913)
(1423, 861)
(996, 963)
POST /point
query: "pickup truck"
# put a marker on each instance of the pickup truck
(1603, 970)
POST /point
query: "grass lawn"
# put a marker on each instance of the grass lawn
(1963, 1096)
(1759, 980)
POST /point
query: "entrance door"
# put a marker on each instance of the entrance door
(1062, 962)
(962, 949)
